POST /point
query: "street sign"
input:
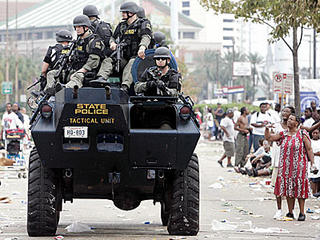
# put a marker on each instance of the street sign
(233, 90)
(241, 69)
(277, 82)
(288, 84)
(6, 88)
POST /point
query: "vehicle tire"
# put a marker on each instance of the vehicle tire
(184, 207)
(164, 214)
(42, 219)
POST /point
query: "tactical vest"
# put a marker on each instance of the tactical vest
(83, 50)
(53, 55)
(104, 31)
(132, 35)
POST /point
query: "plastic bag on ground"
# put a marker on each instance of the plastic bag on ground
(222, 226)
(77, 227)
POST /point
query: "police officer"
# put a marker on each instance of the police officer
(63, 37)
(136, 33)
(141, 13)
(160, 39)
(160, 79)
(88, 51)
(99, 27)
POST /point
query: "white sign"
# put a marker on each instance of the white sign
(76, 132)
(277, 82)
(241, 69)
(283, 83)
(23, 98)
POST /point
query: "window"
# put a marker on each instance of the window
(228, 20)
(19, 36)
(227, 29)
(38, 35)
(186, 12)
(189, 35)
(188, 58)
(186, 4)
(227, 38)
(179, 35)
(49, 35)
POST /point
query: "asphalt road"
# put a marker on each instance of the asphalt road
(232, 207)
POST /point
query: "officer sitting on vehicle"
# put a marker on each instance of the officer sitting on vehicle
(88, 52)
(54, 53)
(160, 40)
(141, 13)
(136, 34)
(159, 79)
(99, 27)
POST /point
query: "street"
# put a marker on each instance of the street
(232, 206)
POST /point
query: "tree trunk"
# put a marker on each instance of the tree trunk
(296, 72)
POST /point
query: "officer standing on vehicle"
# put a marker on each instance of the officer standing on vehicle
(88, 52)
(99, 27)
(54, 53)
(160, 40)
(160, 79)
(136, 33)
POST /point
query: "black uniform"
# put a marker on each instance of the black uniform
(132, 36)
(53, 54)
(172, 82)
(104, 31)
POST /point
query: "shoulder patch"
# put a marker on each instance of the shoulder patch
(98, 45)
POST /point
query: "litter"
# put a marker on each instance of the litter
(5, 200)
(310, 210)
(147, 222)
(267, 230)
(78, 227)
(285, 219)
(220, 178)
(58, 237)
(227, 204)
(317, 211)
(315, 217)
(222, 226)
(216, 186)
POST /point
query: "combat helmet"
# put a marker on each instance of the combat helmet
(129, 7)
(162, 52)
(81, 20)
(63, 36)
(90, 11)
(141, 13)
(159, 37)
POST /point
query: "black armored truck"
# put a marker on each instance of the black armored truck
(96, 142)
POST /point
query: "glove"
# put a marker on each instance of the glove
(43, 82)
(161, 85)
(125, 88)
(151, 84)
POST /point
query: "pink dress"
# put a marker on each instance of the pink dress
(292, 180)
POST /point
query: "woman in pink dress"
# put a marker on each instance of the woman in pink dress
(292, 181)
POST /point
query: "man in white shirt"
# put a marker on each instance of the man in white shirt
(227, 126)
(10, 120)
(258, 122)
(308, 118)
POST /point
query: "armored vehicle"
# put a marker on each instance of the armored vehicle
(96, 142)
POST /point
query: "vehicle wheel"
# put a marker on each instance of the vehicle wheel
(164, 214)
(42, 196)
(184, 208)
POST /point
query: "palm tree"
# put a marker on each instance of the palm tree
(255, 60)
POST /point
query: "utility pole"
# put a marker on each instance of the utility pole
(7, 48)
(314, 53)
(16, 84)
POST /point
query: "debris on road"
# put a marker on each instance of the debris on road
(216, 186)
(77, 227)
(5, 200)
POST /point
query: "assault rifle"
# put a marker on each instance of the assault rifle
(156, 75)
(119, 53)
(42, 80)
(65, 59)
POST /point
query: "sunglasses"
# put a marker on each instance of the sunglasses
(160, 58)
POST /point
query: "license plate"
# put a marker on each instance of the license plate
(76, 132)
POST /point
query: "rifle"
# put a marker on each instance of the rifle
(40, 80)
(40, 103)
(156, 75)
(66, 58)
(119, 53)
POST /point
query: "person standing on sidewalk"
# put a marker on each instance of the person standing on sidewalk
(292, 180)
(227, 126)
(258, 121)
(277, 128)
(242, 145)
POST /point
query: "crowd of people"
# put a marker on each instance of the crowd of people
(272, 143)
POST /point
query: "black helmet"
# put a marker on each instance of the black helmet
(91, 11)
(162, 52)
(159, 37)
(129, 7)
(81, 20)
(63, 36)
(141, 13)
